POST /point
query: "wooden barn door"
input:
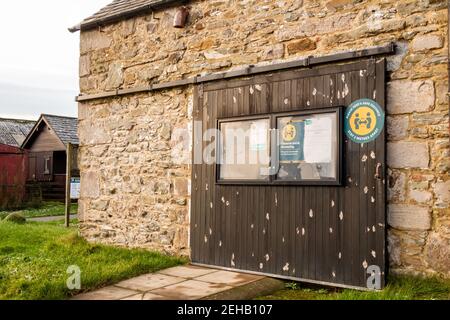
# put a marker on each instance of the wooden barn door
(346, 235)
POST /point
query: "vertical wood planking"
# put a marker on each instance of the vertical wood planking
(265, 233)
(220, 231)
(371, 165)
(195, 212)
(294, 103)
(331, 241)
(198, 177)
(212, 103)
(287, 265)
(206, 170)
(293, 222)
(306, 93)
(205, 211)
(343, 192)
(381, 184)
(364, 187)
(311, 233)
(265, 98)
(222, 112)
(353, 84)
(349, 197)
(228, 241)
(215, 216)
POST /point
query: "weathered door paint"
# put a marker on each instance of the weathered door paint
(324, 234)
(13, 172)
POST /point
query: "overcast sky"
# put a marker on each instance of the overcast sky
(39, 57)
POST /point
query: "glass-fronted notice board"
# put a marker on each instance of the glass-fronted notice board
(309, 147)
(294, 148)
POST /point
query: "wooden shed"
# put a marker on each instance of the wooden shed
(13, 172)
(47, 143)
(13, 161)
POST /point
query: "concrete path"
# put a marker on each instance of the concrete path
(49, 219)
(188, 283)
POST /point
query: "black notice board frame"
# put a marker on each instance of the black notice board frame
(272, 179)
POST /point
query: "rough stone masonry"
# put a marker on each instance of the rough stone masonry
(135, 195)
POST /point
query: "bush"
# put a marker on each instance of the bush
(16, 218)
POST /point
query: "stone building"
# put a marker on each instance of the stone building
(138, 74)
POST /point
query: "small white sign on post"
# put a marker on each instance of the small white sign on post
(75, 188)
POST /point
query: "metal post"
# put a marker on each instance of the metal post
(68, 180)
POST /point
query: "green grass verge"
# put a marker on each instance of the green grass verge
(47, 209)
(34, 259)
(398, 288)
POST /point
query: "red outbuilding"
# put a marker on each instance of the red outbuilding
(13, 162)
(13, 175)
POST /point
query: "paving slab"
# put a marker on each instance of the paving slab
(107, 293)
(258, 288)
(145, 296)
(188, 283)
(229, 278)
(187, 272)
(149, 282)
(152, 296)
(190, 290)
(136, 297)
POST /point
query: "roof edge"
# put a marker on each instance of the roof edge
(28, 137)
(12, 149)
(159, 4)
(56, 116)
(36, 125)
(17, 120)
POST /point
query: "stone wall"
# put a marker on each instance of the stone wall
(133, 193)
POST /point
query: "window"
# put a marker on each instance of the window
(308, 147)
(47, 165)
(244, 153)
(293, 148)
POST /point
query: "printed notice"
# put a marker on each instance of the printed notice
(292, 141)
(75, 188)
(258, 136)
(318, 144)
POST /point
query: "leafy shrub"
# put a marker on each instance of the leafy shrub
(292, 286)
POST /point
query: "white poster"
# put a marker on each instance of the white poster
(318, 140)
(258, 136)
(75, 188)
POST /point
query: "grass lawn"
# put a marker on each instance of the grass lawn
(34, 258)
(399, 288)
(47, 209)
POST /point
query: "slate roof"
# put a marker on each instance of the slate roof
(13, 132)
(65, 128)
(121, 9)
